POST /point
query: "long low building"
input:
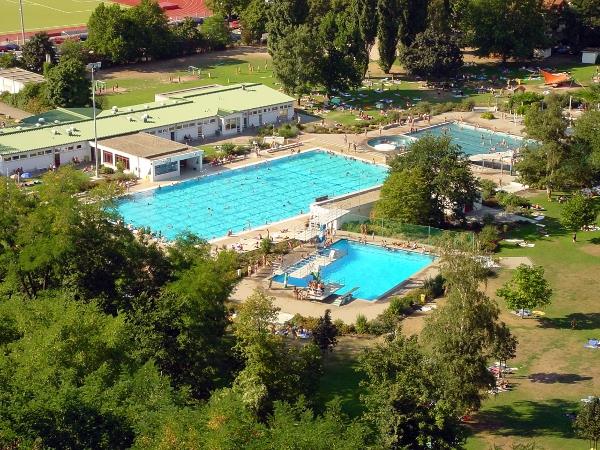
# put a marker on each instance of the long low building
(180, 116)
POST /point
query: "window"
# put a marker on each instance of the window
(41, 153)
(123, 160)
(212, 120)
(22, 156)
(79, 146)
(232, 124)
(47, 152)
(169, 167)
(107, 157)
(70, 148)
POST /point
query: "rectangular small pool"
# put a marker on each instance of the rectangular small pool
(473, 140)
(248, 197)
(372, 269)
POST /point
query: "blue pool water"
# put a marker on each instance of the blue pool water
(374, 270)
(472, 140)
(248, 197)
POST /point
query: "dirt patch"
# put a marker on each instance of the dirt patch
(591, 249)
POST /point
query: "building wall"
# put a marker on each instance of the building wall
(589, 57)
(44, 159)
(9, 85)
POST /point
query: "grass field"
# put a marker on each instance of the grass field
(555, 370)
(44, 14)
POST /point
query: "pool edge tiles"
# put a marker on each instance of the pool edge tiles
(249, 197)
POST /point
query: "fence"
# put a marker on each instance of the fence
(395, 229)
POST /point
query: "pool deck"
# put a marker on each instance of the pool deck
(286, 301)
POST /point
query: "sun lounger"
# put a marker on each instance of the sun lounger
(592, 343)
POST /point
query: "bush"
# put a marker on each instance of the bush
(343, 328)
(512, 201)
(400, 306)
(488, 238)
(433, 287)
(287, 131)
(488, 189)
(104, 170)
(361, 325)
(488, 115)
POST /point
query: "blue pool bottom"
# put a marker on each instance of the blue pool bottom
(372, 269)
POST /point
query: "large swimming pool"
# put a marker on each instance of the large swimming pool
(473, 140)
(372, 269)
(249, 197)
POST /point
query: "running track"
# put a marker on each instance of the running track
(184, 8)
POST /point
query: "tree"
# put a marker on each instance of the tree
(509, 28)
(153, 37)
(488, 189)
(587, 423)
(216, 32)
(281, 16)
(505, 346)
(72, 49)
(405, 197)
(296, 61)
(527, 289)
(403, 400)
(111, 33)
(587, 130)
(273, 371)
(433, 55)
(412, 16)
(36, 51)
(227, 8)
(254, 21)
(463, 335)
(366, 12)
(68, 85)
(324, 334)
(187, 38)
(449, 182)
(388, 25)
(577, 212)
(488, 239)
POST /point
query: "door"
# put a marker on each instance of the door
(172, 135)
(260, 120)
(57, 159)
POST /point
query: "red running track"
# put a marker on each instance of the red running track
(182, 9)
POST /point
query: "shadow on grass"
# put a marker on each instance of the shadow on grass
(553, 377)
(577, 321)
(595, 241)
(531, 419)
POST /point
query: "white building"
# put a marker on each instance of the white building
(150, 157)
(182, 116)
(14, 80)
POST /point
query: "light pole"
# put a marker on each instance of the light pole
(93, 67)
(22, 22)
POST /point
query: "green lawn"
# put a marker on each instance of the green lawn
(555, 371)
(222, 71)
(44, 14)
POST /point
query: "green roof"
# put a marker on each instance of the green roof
(194, 105)
(62, 115)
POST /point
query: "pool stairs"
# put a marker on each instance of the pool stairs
(344, 298)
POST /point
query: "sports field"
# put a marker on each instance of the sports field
(44, 14)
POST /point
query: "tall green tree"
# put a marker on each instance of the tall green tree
(509, 28)
(36, 51)
(527, 289)
(296, 60)
(254, 21)
(587, 130)
(366, 13)
(404, 402)
(273, 370)
(405, 197)
(187, 38)
(325, 332)
(577, 212)
(216, 32)
(462, 336)
(388, 25)
(449, 183)
(111, 33)
(587, 423)
(153, 37)
(433, 55)
(68, 84)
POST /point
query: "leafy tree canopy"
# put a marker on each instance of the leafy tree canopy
(527, 289)
(36, 51)
(433, 55)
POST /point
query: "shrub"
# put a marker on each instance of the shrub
(400, 306)
(384, 323)
(512, 201)
(433, 287)
(343, 328)
(361, 325)
(120, 166)
(488, 189)
(488, 238)
(228, 148)
(488, 115)
(104, 170)
(488, 219)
